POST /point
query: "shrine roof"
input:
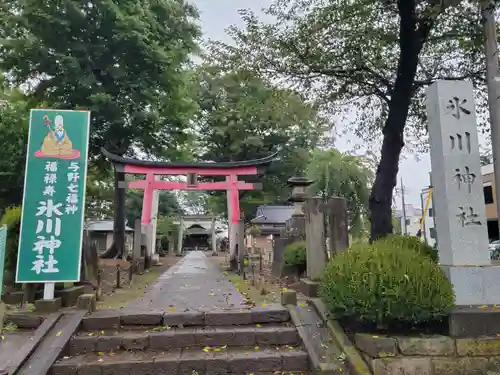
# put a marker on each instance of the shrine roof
(273, 214)
(213, 165)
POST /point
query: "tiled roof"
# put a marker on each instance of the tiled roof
(272, 214)
(102, 226)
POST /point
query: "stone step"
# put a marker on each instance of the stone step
(167, 338)
(241, 361)
(106, 319)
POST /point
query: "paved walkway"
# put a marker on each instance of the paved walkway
(193, 284)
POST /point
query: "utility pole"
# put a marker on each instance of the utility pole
(404, 228)
(493, 82)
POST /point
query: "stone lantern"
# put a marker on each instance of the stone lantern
(299, 193)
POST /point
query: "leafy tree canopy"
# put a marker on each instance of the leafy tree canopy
(342, 175)
(124, 62)
(369, 58)
(241, 116)
(14, 135)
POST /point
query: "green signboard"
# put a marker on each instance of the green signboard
(54, 197)
(3, 243)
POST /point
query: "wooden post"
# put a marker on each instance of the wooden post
(315, 237)
(118, 276)
(338, 225)
(98, 286)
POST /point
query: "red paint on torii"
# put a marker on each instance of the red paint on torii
(231, 170)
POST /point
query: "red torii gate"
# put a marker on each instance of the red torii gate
(231, 170)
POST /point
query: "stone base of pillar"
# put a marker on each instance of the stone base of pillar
(474, 285)
(307, 287)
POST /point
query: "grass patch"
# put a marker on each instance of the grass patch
(121, 297)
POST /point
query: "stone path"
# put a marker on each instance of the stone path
(193, 284)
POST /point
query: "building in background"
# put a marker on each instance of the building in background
(269, 221)
(412, 223)
(101, 234)
(489, 201)
(488, 180)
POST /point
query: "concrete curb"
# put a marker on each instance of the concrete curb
(356, 363)
(31, 345)
(320, 367)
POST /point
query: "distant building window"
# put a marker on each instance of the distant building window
(488, 194)
(432, 232)
(431, 212)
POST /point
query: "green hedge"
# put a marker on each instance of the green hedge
(11, 218)
(397, 241)
(380, 284)
(295, 256)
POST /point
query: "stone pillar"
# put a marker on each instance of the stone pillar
(458, 194)
(315, 238)
(214, 237)
(136, 251)
(180, 238)
(240, 240)
(231, 234)
(148, 232)
(338, 224)
(154, 218)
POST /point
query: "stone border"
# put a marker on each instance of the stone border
(316, 363)
(24, 319)
(112, 319)
(354, 360)
(474, 321)
(30, 346)
(47, 353)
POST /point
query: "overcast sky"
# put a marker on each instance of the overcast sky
(217, 15)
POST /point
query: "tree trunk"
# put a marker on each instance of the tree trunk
(118, 246)
(411, 42)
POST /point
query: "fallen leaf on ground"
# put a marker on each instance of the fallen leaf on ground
(257, 348)
(58, 333)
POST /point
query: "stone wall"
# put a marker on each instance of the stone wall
(430, 355)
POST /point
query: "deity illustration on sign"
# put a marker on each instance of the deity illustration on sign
(56, 143)
(467, 178)
(468, 217)
(456, 107)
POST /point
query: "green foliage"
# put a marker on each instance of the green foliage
(396, 241)
(295, 255)
(12, 218)
(125, 62)
(366, 61)
(14, 135)
(342, 175)
(242, 117)
(380, 284)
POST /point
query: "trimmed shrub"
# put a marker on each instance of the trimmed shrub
(379, 285)
(295, 256)
(11, 218)
(396, 241)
